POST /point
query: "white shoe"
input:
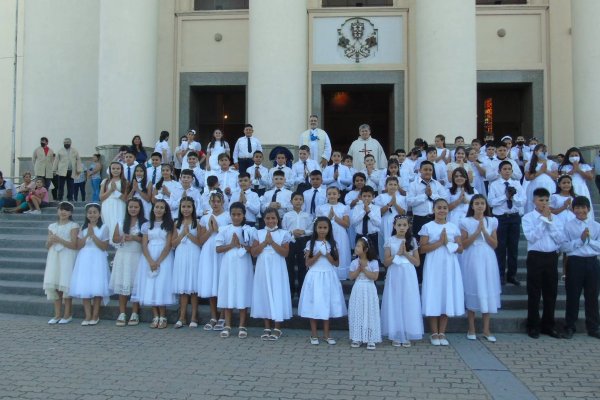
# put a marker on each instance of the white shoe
(443, 340)
(53, 321)
(471, 336)
(121, 320)
(85, 322)
(434, 339)
(396, 343)
(27, 212)
(355, 344)
(330, 341)
(94, 322)
(491, 338)
(35, 212)
(65, 320)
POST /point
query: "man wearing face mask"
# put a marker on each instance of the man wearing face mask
(67, 165)
(42, 160)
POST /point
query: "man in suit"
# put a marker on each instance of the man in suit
(43, 158)
(67, 165)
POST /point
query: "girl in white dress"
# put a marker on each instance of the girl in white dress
(186, 242)
(216, 146)
(62, 253)
(234, 242)
(271, 296)
(401, 319)
(321, 297)
(153, 281)
(339, 214)
(140, 189)
(478, 171)
(479, 265)
(393, 169)
(168, 189)
(442, 292)
(575, 166)
(352, 198)
(363, 309)
(460, 161)
(91, 274)
(461, 192)
(128, 241)
(207, 284)
(371, 172)
(560, 202)
(392, 203)
(113, 193)
(539, 172)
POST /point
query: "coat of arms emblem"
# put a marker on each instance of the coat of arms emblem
(357, 37)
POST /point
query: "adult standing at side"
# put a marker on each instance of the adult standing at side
(67, 165)
(318, 142)
(365, 145)
(43, 158)
(597, 170)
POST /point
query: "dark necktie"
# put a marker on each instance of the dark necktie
(305, 172)
(509, 202)
(427, 184)
(196, 182)
(255, 172)
(249, 146)
(434, 175)
(129, 173)
(274, 198)
(313, 202)
(154, 176)
(335, 168)
(365, 224)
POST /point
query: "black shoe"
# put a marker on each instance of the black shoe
(533, 333)
(568, 333)
(551, 332)
(595, 334)
(513, 280)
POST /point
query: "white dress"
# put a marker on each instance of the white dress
(557, 201)
(207, 284)
(321, 296)
(387, 219)
(442, 290)
(363, 308)
(125, 263)
(91, 274)
(113, 208)
(478, 180)
(213, 161)
(350, 197)
(544, 180)
(59, 262)
(401, 318)
(580, 186)
(460, 211)
(481, 279)
(153, 288)
(186, 264)
(340, 235)
(146, 204)
(271, 297)
(236, 273)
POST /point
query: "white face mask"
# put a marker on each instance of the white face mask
(532, 146)
(542, 156)
(574, 159)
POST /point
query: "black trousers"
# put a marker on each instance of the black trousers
(583, 274)
(61, 186)
(509, 230)
(295, 259)
(597, 180)
(542, 283)
(417, 224)
(244, 164)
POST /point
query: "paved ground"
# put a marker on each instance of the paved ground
(106, 362)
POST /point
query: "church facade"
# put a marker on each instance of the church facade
(100, 72)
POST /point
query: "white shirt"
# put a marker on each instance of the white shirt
(373, 179)
(199, 175)
(193, 146)
(541, 233)
(241, 148)
(498, 201)
(357, 215)
(344, 179)
(289, 179)
(150, 174)
(298, 170)
(259, 183)
(128, 169)
(321, 198)
(164, 145)
(492, 173)
(418, 200)
(252, 203)
(293, 220)
(192, 192)
(283, 197)
(573, 245)
(227, 179)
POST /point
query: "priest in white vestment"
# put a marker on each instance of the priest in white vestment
(364, 145)
(318, 142)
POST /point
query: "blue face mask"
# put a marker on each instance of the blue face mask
(542, 156)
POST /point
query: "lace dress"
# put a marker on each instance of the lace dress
(363, 309)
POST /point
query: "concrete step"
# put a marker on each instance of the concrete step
(22, 275)
(505, 321)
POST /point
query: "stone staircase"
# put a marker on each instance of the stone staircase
(23, 258)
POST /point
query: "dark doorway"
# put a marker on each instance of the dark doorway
(346, 107)
(504, 109)
(217, 107)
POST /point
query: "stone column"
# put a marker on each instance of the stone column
(277, 70)
(127, 73)
(446, 70)
(586, 67)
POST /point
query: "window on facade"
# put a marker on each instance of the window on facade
(204, 5)
(357, 3)
(498, 2)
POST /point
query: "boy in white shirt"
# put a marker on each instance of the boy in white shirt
(154, 172)
(186, 147)
(245, 147)
(316, 195)
(299, 223)
(366, 218)
(336, 174)
(187, 189)
(302, 168)
(212, 185)
(348, 161)
(281, 160)
(259, 174)
(194, 165)
(278, 197)
(248, 198)
(228, 181)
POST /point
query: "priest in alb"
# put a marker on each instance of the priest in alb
(365, 145)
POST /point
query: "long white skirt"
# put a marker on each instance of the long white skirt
(91, 275)
(322, 296)
(271, 297)
(363, 312)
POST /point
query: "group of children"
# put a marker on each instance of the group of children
(246, 241)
